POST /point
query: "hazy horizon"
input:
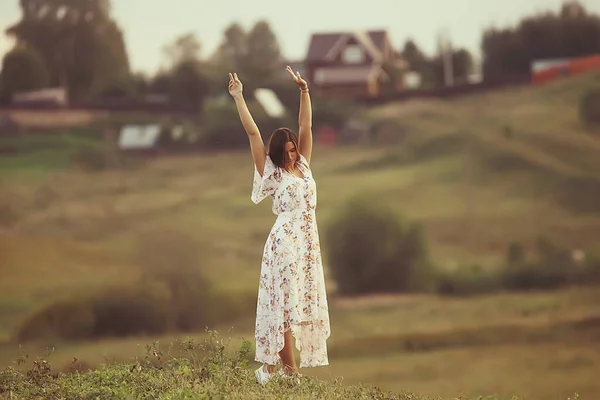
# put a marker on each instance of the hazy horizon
(465, 21)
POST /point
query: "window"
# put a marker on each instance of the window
(352, 54)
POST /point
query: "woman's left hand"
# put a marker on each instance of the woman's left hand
(297, 78)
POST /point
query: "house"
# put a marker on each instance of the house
(49, 98)
(350, 64)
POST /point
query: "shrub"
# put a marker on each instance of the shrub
(132, 310)
(471, 280)
(550, 267)
(222, 128)
(22, 69)
(333, 113)
(172, 295)
(65, 319)
(115, 311)
(172, 258)
(589, 109)
(371, 250)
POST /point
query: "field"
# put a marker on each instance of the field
(479, 173)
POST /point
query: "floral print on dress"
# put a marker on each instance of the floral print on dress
(291, 293)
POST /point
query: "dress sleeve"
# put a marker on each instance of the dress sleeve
(267, 184)
(304, 161)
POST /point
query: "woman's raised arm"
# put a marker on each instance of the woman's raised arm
(256, 143)
(305, 139)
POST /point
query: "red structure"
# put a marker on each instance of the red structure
(548, 70)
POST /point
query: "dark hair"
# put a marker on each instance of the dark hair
(279, 138)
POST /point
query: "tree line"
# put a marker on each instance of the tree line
(79, 46)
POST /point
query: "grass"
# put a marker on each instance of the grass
(478, 172)
(215, 367)
(507, 344)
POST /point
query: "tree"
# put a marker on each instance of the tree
(415, 58)
(185, 79)
(508, 52)
(23, 69)
(263, 55)
(188, 85)
(254, 54)
(233, 50)
(185, 48)
(160, 83)
(81, 44)
(462, 67)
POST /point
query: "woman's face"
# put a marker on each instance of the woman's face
(290, 153)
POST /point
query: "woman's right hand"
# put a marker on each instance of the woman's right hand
(235, 85)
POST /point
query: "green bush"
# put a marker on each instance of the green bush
(23, 69)
(371, 250)
(172, 295)
(472, 280)
(65, 319)
(172, 258)
(111, 312)
(333, 113)
(550, 267)
(222, 128)
(132, 310)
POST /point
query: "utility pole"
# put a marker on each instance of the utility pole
(445, 49)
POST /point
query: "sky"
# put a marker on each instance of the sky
(149, 25)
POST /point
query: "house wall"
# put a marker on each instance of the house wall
(349, 92)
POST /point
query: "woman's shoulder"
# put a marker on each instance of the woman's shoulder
(303, 161)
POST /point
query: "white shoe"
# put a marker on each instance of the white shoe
(282, 374)
(262, 376)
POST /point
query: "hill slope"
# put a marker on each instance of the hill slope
(478, 172)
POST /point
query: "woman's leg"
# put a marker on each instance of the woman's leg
(287, 353)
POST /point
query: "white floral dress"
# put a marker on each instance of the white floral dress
(291, 291)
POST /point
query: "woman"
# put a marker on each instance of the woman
(292, 302)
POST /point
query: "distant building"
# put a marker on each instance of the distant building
(51, 97)
(139, 137)
(349, 64)
(543, 71)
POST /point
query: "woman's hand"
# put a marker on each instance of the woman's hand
(297, 78)
(235, 85)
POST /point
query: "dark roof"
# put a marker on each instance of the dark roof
(322, 43)
(378, 38)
